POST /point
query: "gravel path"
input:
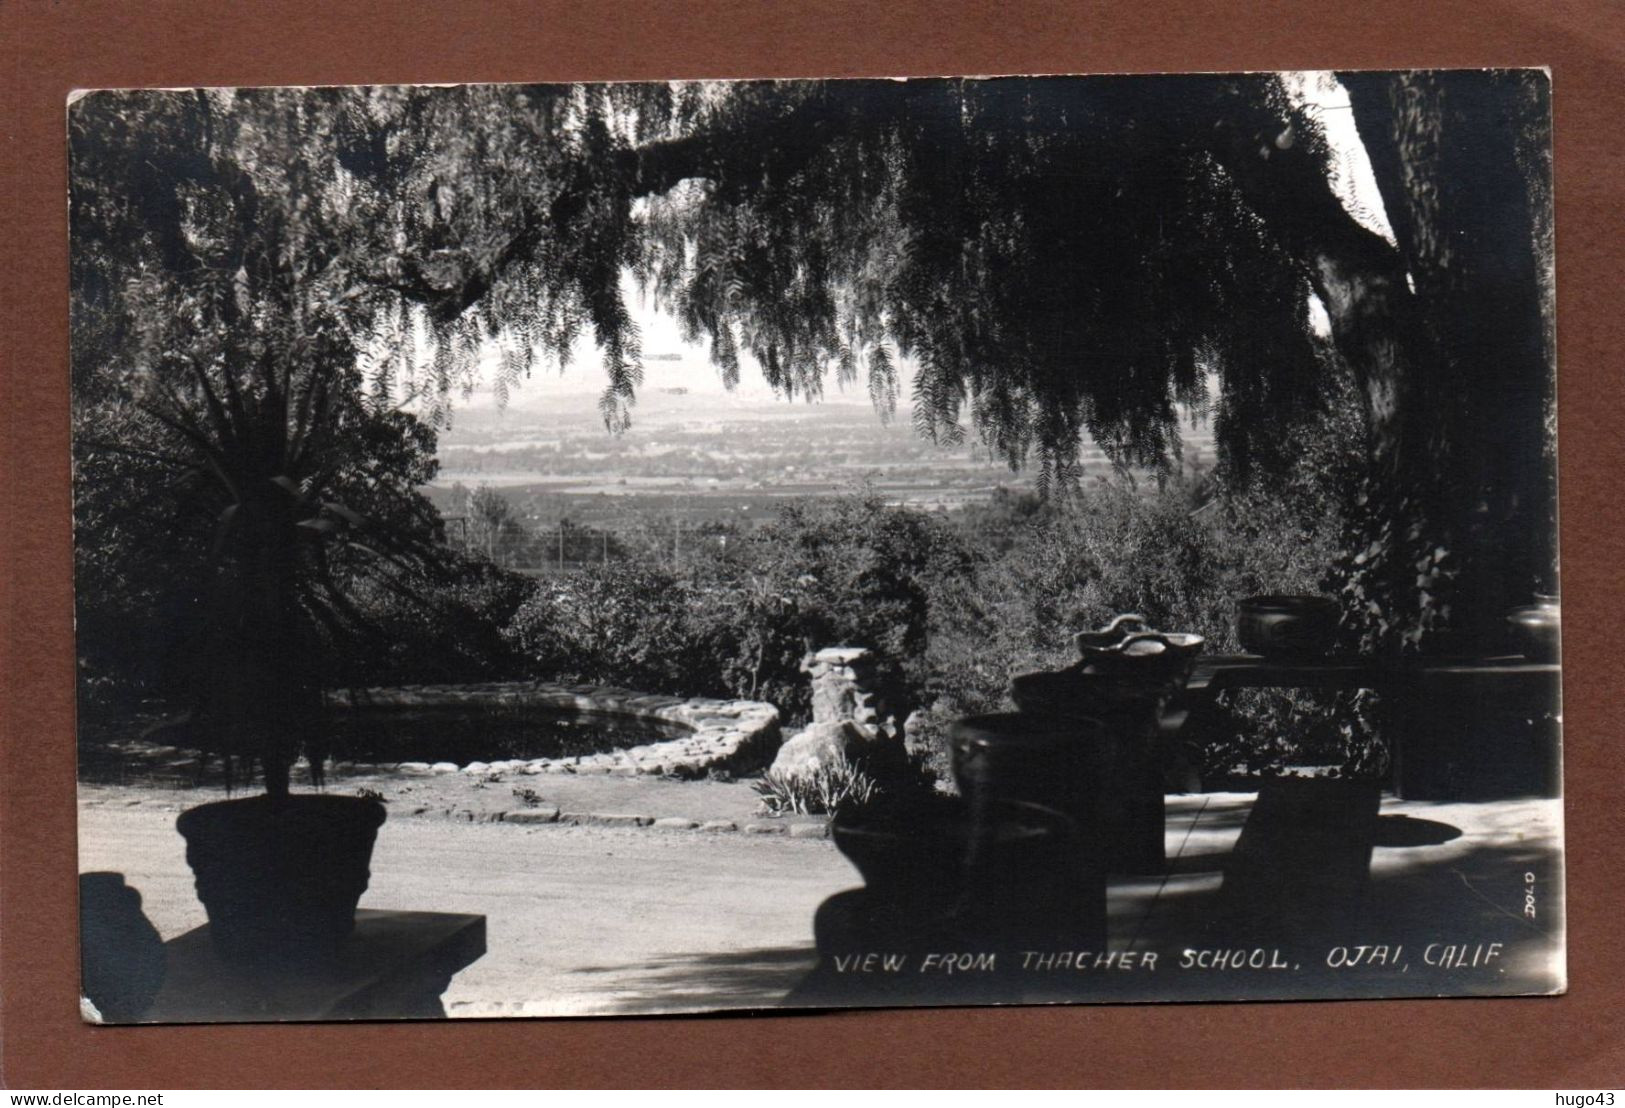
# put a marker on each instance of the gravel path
(496, 796)
(599, 918)
(582, 920)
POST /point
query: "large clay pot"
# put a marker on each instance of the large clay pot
(280, 878)
(982, 872)
(1536, 628)
(1287, 626)
(1051, 760)
(1105, 776)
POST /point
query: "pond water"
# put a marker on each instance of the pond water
(463, 735)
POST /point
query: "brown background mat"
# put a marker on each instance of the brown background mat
(50, 48)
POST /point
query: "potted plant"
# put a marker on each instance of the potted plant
(281, 873)
(219, 328)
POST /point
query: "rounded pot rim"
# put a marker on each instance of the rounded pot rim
(360, 808)
(1020, 726)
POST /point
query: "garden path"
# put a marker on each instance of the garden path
(591, 919)
(580, 920)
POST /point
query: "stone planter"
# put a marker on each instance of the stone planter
(1000, 873)
(280, 878)
(1103, 775)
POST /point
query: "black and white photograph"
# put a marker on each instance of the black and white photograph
(567, 550)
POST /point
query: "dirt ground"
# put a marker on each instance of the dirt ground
(479, 798)
(593, 918)
(717, 920)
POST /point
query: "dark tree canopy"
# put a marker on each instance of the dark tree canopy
(1058, 257)
(1045, 261)
(1051, 262)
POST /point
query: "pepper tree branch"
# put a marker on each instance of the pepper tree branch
(449, 281)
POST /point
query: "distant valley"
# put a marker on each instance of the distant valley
(703, 455)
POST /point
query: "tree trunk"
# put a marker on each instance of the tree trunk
(1445, 334)
(271, 700)
(1460, 160)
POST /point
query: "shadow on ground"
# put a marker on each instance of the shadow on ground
(756, 978)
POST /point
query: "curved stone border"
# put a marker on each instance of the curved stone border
(733, 735)
(551, 815)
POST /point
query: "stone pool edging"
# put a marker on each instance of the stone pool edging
(546, 815)
(726, 735)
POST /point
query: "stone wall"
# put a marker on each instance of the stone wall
(735, 735)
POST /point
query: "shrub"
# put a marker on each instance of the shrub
(849, 571)
(737, 622)
(847, 786)
(954, 610)
(627, 624)
(1181, 554)
(932, 744)
(444, 629)
(826, 790)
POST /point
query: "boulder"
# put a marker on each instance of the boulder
(821, 744)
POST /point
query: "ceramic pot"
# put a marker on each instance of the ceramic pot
(1110, 637)
(1046, 760)
(1287, 626)
(1095, 692)
(1105, 777)
(280, 878)
(983, 872)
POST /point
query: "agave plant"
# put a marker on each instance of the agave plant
(285, 545)
(218, 304)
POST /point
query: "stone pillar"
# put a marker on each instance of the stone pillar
(846, 712)
(843, 686)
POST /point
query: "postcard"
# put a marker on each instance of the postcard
(604, 549)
